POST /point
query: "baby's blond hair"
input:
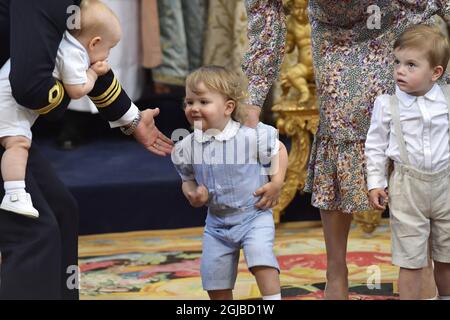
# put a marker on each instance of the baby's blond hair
(429, 38)
(223, 81)
(96, 19)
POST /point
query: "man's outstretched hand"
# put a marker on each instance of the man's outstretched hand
(149, 136)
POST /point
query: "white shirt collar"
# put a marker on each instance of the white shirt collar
(227, 133)
(70, 38)
(435, 94)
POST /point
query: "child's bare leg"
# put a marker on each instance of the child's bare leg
(13, 167)
(410, 284)
(226, 294)
(268, 280)
(15, 157)
(428, 289)
(336, 226)
(442, 276)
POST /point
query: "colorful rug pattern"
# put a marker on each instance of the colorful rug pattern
(166, 265)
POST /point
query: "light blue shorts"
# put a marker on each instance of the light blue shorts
(223, 238)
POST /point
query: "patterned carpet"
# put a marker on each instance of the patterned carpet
(165, 264)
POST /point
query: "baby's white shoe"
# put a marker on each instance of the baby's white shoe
(20, 203)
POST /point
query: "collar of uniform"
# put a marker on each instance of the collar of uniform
(75, 42)
(435, 94)
(227, 133)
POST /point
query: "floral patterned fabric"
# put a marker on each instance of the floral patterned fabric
(353, 65)
(256, 27)
(267, 37)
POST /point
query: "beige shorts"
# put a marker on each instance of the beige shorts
(419, 205)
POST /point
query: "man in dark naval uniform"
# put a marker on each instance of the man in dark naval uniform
(39, 256)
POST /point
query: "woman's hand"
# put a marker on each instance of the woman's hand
(253, 113)
(378, 198)
(269, 193)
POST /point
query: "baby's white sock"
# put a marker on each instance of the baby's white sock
(444, 297)
(272, 297)
(14, 186)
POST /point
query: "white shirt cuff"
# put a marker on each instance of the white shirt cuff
(126, 118)
(376, 182)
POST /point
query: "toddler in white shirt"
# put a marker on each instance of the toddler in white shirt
(411, 128)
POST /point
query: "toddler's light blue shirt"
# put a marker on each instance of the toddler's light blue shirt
(231, 164)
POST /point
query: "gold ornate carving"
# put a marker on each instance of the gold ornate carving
(299, 123)
(368, 220)
(297, 112)
(298, 38)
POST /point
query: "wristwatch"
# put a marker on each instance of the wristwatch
(131, 127)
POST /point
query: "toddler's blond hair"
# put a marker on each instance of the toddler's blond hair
(223, 81)
(429, 38)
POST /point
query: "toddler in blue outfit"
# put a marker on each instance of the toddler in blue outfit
(238, 173)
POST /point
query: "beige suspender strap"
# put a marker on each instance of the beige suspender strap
(398, 129)
(446, 91)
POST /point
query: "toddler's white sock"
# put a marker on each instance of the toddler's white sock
(14, 186)
(272, 297)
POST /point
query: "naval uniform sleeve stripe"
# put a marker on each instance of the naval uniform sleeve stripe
(109, 101)
(106, 93)
(114, 90)
(54, 100)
